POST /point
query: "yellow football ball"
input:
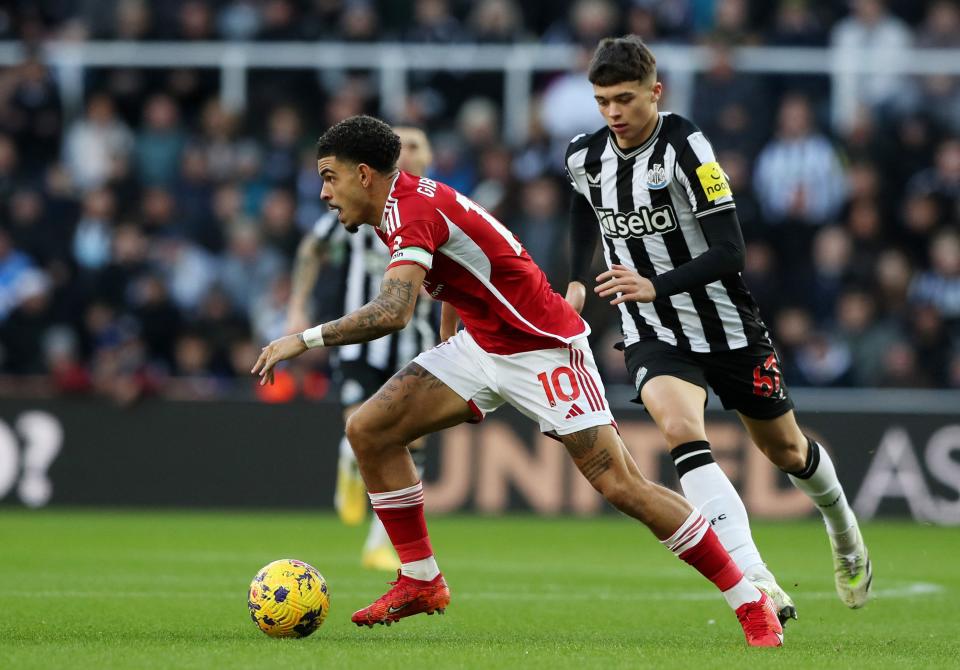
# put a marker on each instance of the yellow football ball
(288, 598)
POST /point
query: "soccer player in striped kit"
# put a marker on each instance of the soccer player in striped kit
(362, 368)
(649, 185)
(521, 344)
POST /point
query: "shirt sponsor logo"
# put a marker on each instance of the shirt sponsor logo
(644, 221)
(713, 181)
(656, 177)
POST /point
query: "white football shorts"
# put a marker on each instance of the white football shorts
(559, 388)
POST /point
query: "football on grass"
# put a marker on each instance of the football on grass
(288, 598)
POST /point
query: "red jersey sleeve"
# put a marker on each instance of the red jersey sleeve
(414, 231)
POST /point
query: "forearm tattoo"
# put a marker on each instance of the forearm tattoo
(383, 315)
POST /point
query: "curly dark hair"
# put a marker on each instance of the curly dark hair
(361, 139)
(620, 59)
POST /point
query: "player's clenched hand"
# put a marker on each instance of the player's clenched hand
(630, 285)
(276, 351)
(576, 295)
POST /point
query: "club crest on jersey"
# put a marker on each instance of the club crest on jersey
(656, 177)
(639, 223)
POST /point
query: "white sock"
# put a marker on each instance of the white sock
(818, 480)
(425, 569)
(742, 593)
(377, 536)
(708, 489)
(346, 451)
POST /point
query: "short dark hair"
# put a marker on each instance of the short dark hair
(361, 139)
(620, 59)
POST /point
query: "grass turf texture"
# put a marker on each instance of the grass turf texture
(130, 589)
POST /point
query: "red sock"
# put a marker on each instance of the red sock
(401, 513)
(697, 544)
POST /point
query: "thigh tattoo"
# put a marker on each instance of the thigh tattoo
(580, 445)
(402, 384)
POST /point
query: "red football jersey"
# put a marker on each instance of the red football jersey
(478, 266)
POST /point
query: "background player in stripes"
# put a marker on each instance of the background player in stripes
(363, 368)
(674, 251)
(522, 343)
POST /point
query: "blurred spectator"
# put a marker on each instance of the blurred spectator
(496, 21)
(568, 108)
(239, 20)
(279, 226)
(761, 276)
(15, 268)
(23, 330)
(187, 270)
(730, 106)
(194, 194)
(433, 22)
(941, 26)
(195, 21)
(132, 20)
(94, 232)
(94, 143)
(359, 22)
(940, 285)
(248, 268)
(281, 152)
(589, 22)
(870, 33)
(796, 25)
(900, 368)
(930, 339)
(542, 228)
(32, 114)
(160, 319)
(278, 20)
(832, 254)
(798, 176)
(824, 360)
(866, 335)
(893, 278)
(160, 143)
(731, 22)
(943, 179)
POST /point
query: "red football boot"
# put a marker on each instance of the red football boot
(407, 597)
(760, 623)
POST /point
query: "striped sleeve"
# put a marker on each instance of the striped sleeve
(325, 227)
(704, 179)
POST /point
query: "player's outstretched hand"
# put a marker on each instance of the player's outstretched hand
(630, 285)
(278, 350)
(576, 295)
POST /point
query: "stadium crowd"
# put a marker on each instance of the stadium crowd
(146, 240)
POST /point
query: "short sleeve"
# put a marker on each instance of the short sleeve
(706, 183)
(571, 164)
(326, 227)
(413, 233)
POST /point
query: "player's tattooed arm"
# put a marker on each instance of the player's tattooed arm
(387, 313)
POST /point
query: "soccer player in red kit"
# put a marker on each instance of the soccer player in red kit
(521, 344)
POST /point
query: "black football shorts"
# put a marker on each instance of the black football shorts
(747, 380)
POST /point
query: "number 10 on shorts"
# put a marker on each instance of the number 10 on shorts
(553, 386)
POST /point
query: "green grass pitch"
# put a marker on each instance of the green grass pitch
(137, 589)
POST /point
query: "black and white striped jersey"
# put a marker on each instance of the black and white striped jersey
(652, 204)
(362, 258)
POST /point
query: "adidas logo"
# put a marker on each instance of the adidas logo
(574, 411)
